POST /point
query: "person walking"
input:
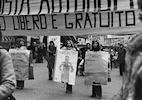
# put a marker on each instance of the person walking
(21, 46)
(96, 69)
(96, 87)
(51, 59)
(40, 53)
(121, 59)
(69, 46)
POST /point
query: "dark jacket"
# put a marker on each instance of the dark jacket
(51, 53)
(7, 75)
(83, 52)
(121, 55)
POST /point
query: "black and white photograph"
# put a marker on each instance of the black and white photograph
(70, 49)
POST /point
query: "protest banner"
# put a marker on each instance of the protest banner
(65, 66)
(69, 17)
(96, 67)
(20, 60)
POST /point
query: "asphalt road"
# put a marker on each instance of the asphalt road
(42, 89)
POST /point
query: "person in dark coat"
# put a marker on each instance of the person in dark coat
(121, 58)
(51, 59)
(40, 53)
(78, 61)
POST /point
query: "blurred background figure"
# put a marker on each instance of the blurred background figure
(121, 58)
(41, 52)
(83, 52)
(140, 8)
(7, 74)
(131, 88)
(51, 50)
(34, 48)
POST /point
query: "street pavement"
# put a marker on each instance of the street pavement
(42, 89)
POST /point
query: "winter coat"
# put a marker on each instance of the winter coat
(51, 59)
(121, 55)
(7, 75)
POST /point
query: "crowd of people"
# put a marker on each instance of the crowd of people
(129, 60)
(39, 52)
(95, 46)
(117, 55)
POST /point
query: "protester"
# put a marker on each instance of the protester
(51, 59)
(21, 45)
(96, 69)
(121, 58)
(96, 87)
(7, 74)
(20, 82)
(69, 46)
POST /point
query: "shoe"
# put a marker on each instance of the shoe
(69, 92)
(93, 96)
(50, 79)
(98, 97)
(82, 74)
(20, 88)
(17, 88)
(109, 79)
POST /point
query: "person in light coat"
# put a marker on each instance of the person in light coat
(7, 75)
